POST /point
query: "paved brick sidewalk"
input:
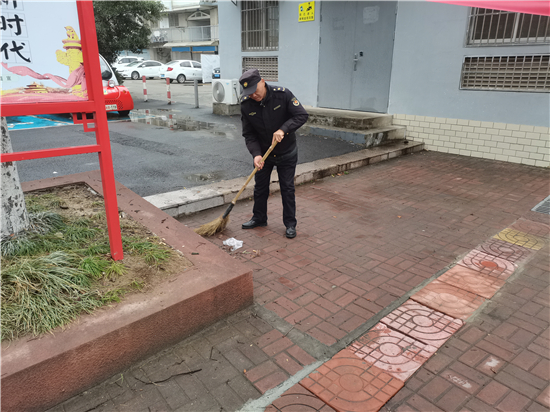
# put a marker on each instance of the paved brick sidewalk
(367, 242)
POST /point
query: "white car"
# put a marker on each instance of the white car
(123, 61)
(182, 70)
(147, 68)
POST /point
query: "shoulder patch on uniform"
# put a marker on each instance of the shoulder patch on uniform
(295, 102)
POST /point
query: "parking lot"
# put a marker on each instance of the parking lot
(180, 93)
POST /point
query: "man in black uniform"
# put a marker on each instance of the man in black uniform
(271, 114)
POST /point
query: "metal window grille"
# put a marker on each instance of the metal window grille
(494, 27)
(516, 73)
(267, 66)
(259, 25)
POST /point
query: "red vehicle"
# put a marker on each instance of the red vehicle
(117, 97)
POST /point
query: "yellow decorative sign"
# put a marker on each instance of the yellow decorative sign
(306, 12)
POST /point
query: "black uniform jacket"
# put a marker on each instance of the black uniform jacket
(278, 110)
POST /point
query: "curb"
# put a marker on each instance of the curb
(39, 373)
(187, 201)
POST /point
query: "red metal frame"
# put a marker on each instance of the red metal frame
(94, 105)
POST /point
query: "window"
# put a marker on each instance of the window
(196, 65)
(267, 66)
(173, 20)
(509, 73)
(260, 25)
(185, 64)
(494, 27)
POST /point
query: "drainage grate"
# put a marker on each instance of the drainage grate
(543, 207)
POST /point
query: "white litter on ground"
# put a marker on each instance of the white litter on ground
(236, 244)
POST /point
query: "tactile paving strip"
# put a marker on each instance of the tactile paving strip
(395, 353)
(530, 227)
(472, 281)
(488, 265)
(518, 238)
(420, 322)
(448, 299)
(297, 399)
(348, 383)
(505, 250)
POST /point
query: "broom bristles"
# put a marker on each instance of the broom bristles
(216, 226)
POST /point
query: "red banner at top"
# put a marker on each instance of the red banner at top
(541, 7)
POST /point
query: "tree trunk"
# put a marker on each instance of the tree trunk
(14, 211)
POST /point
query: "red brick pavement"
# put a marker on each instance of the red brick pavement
(365, 240)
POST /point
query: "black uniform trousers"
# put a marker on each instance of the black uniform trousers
(286, 169)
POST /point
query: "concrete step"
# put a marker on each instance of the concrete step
(188, 201)
(347, 119)
(368, 138)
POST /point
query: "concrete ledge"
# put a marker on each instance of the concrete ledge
(38, 374)
(223, 109)
(368, 138)
(187, 201)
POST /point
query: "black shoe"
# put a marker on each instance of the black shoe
(290, 232)
(251, 224)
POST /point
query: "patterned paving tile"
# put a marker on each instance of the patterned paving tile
(420, 322)
(448, 299)
(395, 353)
(504, 250)
(472, 281)
(488, 265)
(348, 383)
(530, 227)
(518, 238)
(298, 399)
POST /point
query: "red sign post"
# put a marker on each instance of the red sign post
(90, 112)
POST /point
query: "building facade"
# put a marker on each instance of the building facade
(464, 80)
(187, 30)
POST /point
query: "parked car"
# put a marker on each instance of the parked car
(216, 73)
(147, 68)
(117, 97)
(123, 61)
(182, 70)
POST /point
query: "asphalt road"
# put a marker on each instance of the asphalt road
(162, 147)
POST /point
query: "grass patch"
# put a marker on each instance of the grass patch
(42, 293)
(61, 267)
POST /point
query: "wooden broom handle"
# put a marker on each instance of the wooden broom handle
(254, 171)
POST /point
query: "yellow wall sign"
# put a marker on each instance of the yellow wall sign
(306, 11)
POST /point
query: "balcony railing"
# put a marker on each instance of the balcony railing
(185, 34)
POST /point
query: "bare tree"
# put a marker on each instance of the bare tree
(15, 218)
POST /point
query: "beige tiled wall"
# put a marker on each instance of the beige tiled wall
(499, 141)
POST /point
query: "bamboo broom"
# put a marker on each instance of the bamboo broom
(219, 224)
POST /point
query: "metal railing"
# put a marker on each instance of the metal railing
(495, 28)
(185, 34)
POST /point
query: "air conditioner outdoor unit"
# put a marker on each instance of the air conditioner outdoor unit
(226, 91)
